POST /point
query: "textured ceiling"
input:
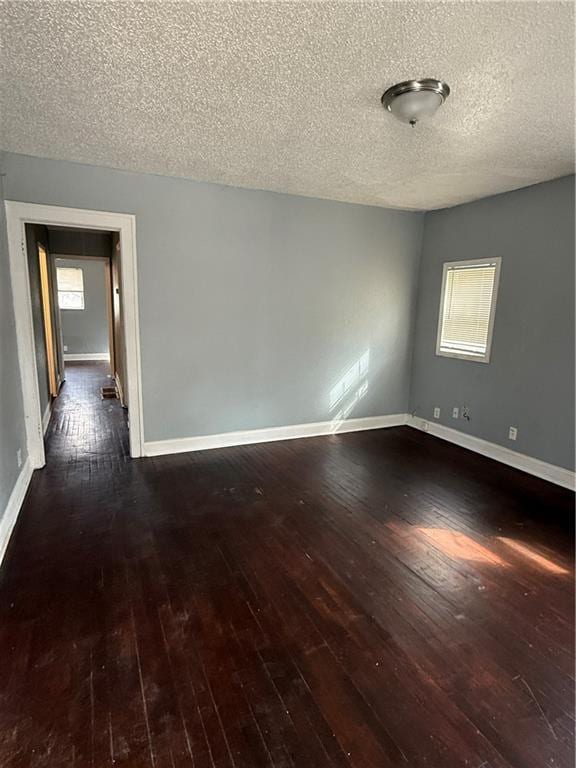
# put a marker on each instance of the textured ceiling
(286, 95)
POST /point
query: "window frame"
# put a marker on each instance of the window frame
(455, 354)
(82, 292)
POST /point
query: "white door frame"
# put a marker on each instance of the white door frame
(17, 216)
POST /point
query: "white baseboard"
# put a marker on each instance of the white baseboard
(8, 519)
(46, 417)
(291, 432)
(87, 356)
(542, 469)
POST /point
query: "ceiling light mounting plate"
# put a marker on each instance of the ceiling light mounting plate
(413, 100)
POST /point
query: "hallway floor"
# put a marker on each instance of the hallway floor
(83, 427)
(371, 600)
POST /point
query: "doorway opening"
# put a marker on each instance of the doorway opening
(74, 277)
(75, 295)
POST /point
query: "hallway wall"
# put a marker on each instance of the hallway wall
(74, 242)
(86, 331)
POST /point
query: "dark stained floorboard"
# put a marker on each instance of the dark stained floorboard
(372, 599)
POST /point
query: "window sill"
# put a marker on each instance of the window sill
(464, 356)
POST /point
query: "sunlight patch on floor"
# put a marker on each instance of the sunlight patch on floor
(460, 546)
(534, 557)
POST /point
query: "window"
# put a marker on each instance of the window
(70, 288)
(467, 306)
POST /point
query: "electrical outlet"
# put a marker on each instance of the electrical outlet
(512, 433)
(19, 457)
(436, 413)
(455, 413)
(65, 348)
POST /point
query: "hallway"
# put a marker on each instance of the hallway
(373, 599)
(84, 427)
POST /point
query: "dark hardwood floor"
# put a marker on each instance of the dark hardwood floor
(373, 599)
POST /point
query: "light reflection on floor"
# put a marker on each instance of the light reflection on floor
(460, 546)
(534, 557)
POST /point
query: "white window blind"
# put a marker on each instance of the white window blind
(70, 288)
(467, 309)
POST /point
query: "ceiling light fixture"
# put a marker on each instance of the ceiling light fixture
(415, 100)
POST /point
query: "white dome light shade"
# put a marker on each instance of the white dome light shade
(411, 107)
(415, 100)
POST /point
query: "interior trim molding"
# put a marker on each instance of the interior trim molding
(10, 516)
(542, 469)
(18, 214)
(78, 356)
(46, 417)
(272, 434)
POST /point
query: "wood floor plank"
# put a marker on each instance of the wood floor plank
(369, 600)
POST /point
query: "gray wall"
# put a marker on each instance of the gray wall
(253, 305)
(12, 430)
(37, 234)
(86, 331)
(529, 382)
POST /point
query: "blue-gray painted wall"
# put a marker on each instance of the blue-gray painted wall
(12, 428)
(253, 305)
(529, 381)
(85, 331)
